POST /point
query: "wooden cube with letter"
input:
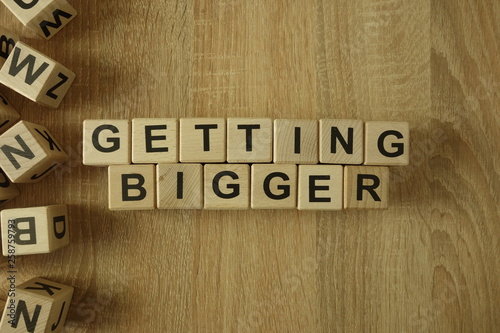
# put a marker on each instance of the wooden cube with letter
(274, 186)
(29, 153)
(44, 17)
(387, 143)
(8, 115)
(106, 142)
(320, 187)
(7, 42)
(154, 140)
(202, 140)
(227, 186)
(366, 187)
(36, 76)
(179, 186)
(341, 141)
(39, 305)
(131, 187)
(35, 229)
(8, 190)
(249, 140)
(296, 141)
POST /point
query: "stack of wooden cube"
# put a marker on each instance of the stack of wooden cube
(29, 153)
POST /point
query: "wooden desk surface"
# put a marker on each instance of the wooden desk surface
(428, 264)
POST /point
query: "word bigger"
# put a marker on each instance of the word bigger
(294, 180)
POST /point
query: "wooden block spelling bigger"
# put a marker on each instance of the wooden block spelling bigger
(106, 142)
(320, 187)
(179, 186)
(36, 76)
(341, 141)
(202, 140)
(296, 141)
(366, 187)
(39, 305)
(249, 140)
(35, 229)
(274, 186)
(8, 115)
(386, 143)
(8, 190)
(227, 186)
(29, 153)
(45, 17)
(131, 187)
(154, 140)
(7, 42)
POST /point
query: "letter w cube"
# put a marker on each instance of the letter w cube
(36, 76)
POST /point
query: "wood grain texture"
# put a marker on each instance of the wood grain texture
(429, 263)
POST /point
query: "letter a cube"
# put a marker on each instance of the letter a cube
(34, 230)
(39, 305)
(36, 76)
(29, 153)
(45, 17)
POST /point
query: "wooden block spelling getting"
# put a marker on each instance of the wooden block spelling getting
(36, 229)
(296, 141)
(366, 187)
(341, 141)
(8, 190)
(29, 153)
(106, 142)
(36, 76)
(249, 140)
(227, 186)
(320, 187)
(274, 186)
(154, 140)
(202, 140)
(8, 115)
(131, 187)
(45, 17)
(179, 186)
(7, 42)
(38, 305)
(386, 143)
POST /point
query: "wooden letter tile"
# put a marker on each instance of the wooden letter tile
(386, 143)
(179, 186)
(38, 305)
(36, 229)
(36, 76)
(44, 17)
(8, 115)
(341, 141)
(249, 140)
(154, 140)
(366, 187)
(8, 190)
(320, 187)
(106, 142)
(227, 186)
(29, 153)
(202, 140)
(274, 186)
(296, 141)
(7, 42)
(131, 187)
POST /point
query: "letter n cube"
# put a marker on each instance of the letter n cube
(29, 153)
(34, 230)
(39, 305)
(36, 76)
